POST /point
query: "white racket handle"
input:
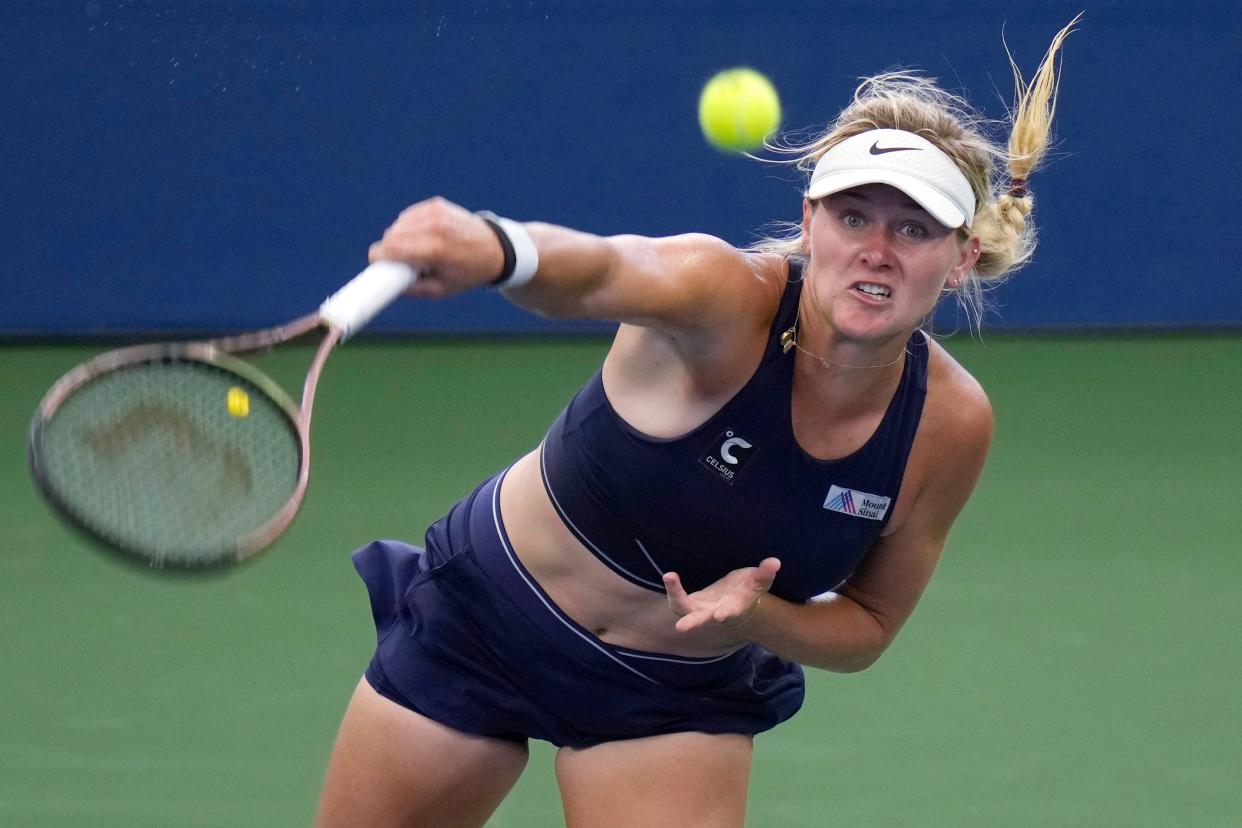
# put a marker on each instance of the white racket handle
(364, 296)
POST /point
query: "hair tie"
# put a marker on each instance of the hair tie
(1017, 188)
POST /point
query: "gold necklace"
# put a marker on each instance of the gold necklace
(789, 341)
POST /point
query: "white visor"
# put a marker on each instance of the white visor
(903, 160)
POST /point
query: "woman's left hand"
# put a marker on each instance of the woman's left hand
(729, 602)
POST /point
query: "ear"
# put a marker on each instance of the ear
(967, 256)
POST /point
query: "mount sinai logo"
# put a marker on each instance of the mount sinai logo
(859, 504)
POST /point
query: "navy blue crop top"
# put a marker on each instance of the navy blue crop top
(735, 490)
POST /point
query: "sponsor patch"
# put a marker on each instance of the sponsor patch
(729, 454)
(859, 504)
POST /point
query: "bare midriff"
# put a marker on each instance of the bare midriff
(613, 609)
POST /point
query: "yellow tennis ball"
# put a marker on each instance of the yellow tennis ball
(238, 402)
(738, 109)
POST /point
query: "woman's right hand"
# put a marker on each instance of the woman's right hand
(453, 249)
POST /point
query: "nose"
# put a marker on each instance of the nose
(876, 252)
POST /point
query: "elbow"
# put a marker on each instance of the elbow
(864, 651)
(851, 661)
(873, 633)
(858, 662)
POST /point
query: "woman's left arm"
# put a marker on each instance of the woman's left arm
(848, 630)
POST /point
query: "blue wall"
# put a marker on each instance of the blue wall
(186, 165)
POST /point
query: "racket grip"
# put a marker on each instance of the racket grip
(363, 297)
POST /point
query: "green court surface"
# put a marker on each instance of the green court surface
(1075, 662)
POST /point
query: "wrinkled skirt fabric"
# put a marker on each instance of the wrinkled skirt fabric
(467, 638)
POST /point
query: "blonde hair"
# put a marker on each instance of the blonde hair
(998, 174)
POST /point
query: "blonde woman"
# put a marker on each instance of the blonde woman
(761, 476)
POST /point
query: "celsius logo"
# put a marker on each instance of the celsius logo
(729, 453)
(726, 448)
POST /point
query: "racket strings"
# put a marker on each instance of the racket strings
(177, 460)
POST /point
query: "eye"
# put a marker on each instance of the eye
(914, 230)
(852, 220)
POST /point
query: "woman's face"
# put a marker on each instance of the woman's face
(878, 261)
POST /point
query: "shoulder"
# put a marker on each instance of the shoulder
(707, 286)
(957, 409)
(713, 267)
(717, 305)
(950, 447)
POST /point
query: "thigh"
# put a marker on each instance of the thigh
(393, 767)
(679, 779)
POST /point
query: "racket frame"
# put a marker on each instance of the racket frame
(220, 354)
(342, 314)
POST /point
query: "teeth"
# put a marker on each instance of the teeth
(874, 290)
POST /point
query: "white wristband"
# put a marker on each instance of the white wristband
(525, 255)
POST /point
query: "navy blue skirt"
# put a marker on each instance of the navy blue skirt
(467, 638)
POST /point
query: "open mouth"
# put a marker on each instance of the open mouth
(872, 290)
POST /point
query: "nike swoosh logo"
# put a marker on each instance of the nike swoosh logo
(876, 149)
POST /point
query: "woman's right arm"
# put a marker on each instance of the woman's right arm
(686, 283)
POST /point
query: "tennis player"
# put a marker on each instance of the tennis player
(762, 475)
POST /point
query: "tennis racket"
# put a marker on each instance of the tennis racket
(182, 455)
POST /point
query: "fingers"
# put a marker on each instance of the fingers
(452, 248)
(678, 600)
(690, 616)
(694, 620)
(728, 602)
(766, 572)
